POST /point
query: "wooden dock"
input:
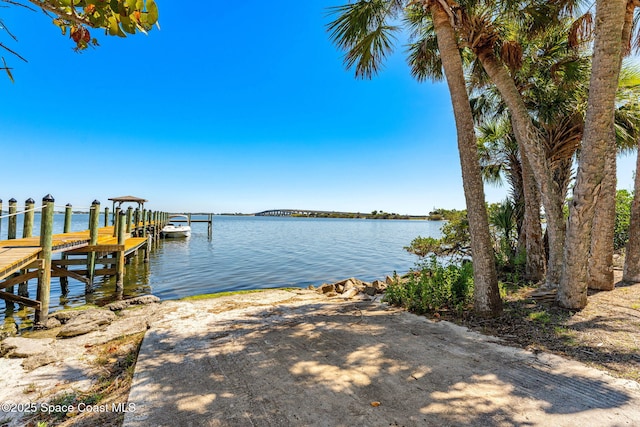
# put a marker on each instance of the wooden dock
(29, 257)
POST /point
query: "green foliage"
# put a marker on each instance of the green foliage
(117, 17)
(502, 216)
(365, 32)
(78, 17)
(455, 241)
(433, 287)
(444, 214)
(540, 317)
(624, 199)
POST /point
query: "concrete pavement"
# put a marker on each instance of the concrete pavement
(296, 358)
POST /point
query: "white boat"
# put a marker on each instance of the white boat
(175, 228)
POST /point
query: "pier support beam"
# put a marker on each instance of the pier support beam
(64, 280)
(27, 231)
(129, 218)
(12, 234)
(44, 279)
(120, 257)
(94, 223)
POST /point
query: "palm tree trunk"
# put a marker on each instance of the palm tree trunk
(631, 272)
(536, 260)
(532, 146)
(487, 299)
(600, 271)
(598, 138)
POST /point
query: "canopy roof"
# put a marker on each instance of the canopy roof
(128, 199)
(133, 199)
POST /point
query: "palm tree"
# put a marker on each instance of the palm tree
(482, 30)
(363, 30)
(499, 154)
(598, 144)
(631, 272)
(600, 272)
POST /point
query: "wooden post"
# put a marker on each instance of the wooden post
(13, 219)
(106, 216)
(64, 281)
(0, 218)
(94, 224)
(44, 278)
(11, 234)
(136, 221)
(189, 219)
(68, 213)
(129, 218)
(27, 231)
(27, 228)
(156, 226)
(144, 223)
(116, 218)
(120, 255)
(210, 226)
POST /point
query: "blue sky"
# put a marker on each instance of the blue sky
(241, 107)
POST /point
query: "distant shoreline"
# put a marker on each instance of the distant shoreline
(346, 215)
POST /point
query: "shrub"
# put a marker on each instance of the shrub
(454, 243)
(623, 217)
(433, 287)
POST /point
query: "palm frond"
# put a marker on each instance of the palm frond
(424, 59)
(581, 30)
(363, 31)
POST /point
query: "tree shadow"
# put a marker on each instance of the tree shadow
(352, 364)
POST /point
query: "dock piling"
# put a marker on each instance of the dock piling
(120, 255)
(129, 218)
(64, 280)
(13, 219)
(27, 231)
(12, 234)
(94, 223)
(44, 278)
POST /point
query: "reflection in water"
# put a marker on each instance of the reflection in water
(251, 253)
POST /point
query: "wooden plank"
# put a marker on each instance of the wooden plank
(134, 243)
(61, 272)
(69, 261)
(13, 259)
(97, 248)
(78, 261)
(20, 300)
(99, 271)
(19, 279)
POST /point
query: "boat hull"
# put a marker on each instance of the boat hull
(171, 232)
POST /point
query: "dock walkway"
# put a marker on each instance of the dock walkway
(31, 257)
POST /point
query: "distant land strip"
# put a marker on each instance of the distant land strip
(335, 214)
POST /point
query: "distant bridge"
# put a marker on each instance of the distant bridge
(301, 212)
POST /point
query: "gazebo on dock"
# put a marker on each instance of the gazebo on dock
(128, 199)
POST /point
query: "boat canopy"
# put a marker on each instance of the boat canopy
(128, 199)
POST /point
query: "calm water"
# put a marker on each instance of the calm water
(252, 253)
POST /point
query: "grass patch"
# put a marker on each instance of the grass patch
(540, 316)
(229, 293)
(116, 359)
(79, 308)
